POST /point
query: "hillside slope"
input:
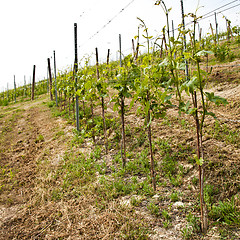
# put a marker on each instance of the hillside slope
(55, 184)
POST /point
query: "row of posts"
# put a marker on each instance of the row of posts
(76, 65)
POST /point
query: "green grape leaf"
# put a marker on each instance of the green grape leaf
(216, 99)
(199, 161)
(211, 114)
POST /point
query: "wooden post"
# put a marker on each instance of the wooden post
(75, 72)
(108, 55)
(216, 27)
(97, 70)
(55, 74)
(133, 48)
(33, 82)
(122, 104)
(50, 79)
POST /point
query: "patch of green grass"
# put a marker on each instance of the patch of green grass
(184, 123)
(164, 145)
(51, 104)
(167, 223)
(195, 181)
(222, 131)
(140, 165)
(78, 138)
(209, 192)
(96, 153)
(7, 179)
(58, 113)
(176, 180)
(128, 131)
(135, 201)
(117, 136)
(60, 133)
(153, 208)
(117, 158)
(4, 102)
(166, 122)
(134, 231)
(227, 233)
(74, 173)
(169, 165)
(118, 186)
(56, 194)
(226, 212)
(223, 53)
(39, 138)
(141, 138)
(174, 196)
(111, 123)
(165, 214)
(192, 227)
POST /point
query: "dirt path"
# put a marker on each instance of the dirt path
(28, 137)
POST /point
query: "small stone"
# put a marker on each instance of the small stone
(156, 196)
(178, 204)
(178, 227)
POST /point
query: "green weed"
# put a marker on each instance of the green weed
(78, 137)
(223, 52)
(51, 104)
(39, 138)
(167, 224)
(195, 181)
(166, 215)
(223, 132)
(141, 139)
(176, 180)
(96, 153)
(192, 227)
(135, 201)
(209, 192)
(174, 196)
(153, 208)
(225, 212)
(60, 133)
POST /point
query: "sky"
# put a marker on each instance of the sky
(32, 29)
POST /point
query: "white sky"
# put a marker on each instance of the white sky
(32, 29)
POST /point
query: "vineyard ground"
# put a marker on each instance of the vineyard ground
(56, 185)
